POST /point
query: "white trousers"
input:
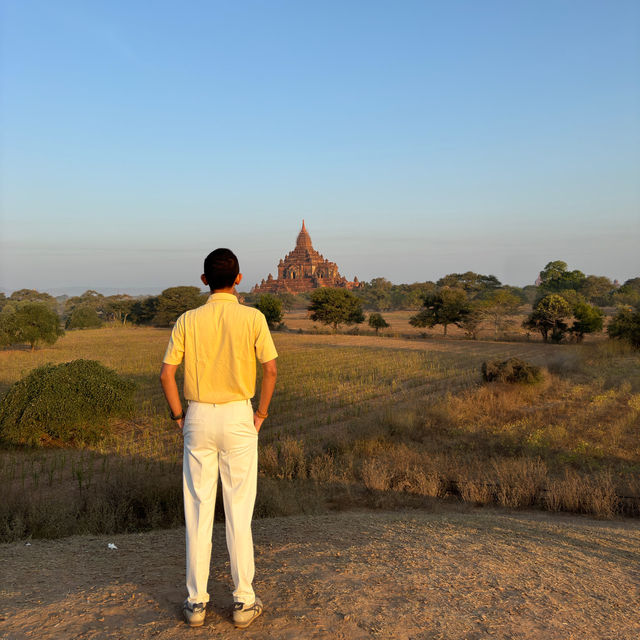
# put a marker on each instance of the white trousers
(220, 438)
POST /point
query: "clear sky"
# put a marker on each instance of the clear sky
(416, 138)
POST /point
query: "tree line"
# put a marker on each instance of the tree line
(565, 303)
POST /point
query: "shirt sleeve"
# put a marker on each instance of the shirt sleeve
(175, 351)
(265, 349)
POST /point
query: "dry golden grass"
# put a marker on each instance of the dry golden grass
(356, 419)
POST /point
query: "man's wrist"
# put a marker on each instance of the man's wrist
(180, 416)
(262, 414)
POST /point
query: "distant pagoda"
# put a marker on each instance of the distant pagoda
(304, 269)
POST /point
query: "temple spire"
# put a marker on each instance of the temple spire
(304, 239)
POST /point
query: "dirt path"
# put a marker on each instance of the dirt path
(392, 575)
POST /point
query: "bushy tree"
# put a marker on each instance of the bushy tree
(29, 323)
(271, 307)
(174, 301)
(548, 316)
(588, 319)
(445, 306)
(143, 311)
(377, 322)
(628, 294)
(474, 284)
(411, 296)
(472, 321)
(626, 326)
(288, 300)
(84, 316)
(89, 298)
(335, 307)
(8, 326)
(556, 277)
(498, 306)
(31, 295)
(119, 307)
(376, 294)
(597, 290)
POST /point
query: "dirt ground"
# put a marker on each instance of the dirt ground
(449, 574)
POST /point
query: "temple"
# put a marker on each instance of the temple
(304, 269)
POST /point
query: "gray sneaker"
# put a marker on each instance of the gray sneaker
(243, 616)
(194, 613)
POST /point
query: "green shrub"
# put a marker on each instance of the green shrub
(512, 370)
(69, 402)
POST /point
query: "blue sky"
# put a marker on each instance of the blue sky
(415, 138)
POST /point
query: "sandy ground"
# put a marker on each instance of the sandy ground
(406, 575)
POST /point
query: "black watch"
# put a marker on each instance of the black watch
(178, 417)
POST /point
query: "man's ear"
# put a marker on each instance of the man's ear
(204, 280)
(238, 279)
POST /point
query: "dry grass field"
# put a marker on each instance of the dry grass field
(357, 420)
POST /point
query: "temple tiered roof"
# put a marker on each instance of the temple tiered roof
(304, 269)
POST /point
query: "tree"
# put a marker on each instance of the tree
(628, 294)
(8, 326)
(119, 307)
(555, 277)
(174, 301)
(548, 316)
(472, 321)
(143, 311)
(271, 307)
(335, 307)
(376, 294)
(411, 296)
(288, 300)
(89, 298)
(500, 305)
(84, 316)
(573, 297)
(377, 322)
(626, 326)
(30, 323)
(31, 295)
(473, 284)
(597, 289)
(446, 306)
(588, 319)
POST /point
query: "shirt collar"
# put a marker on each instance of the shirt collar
(222, 297)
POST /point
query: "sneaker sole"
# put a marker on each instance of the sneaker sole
(244, 625)
(195, 624)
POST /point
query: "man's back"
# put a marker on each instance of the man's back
(219, 342)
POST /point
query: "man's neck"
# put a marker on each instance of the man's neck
(231, 290)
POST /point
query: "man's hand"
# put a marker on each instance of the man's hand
(257, 422)
(180, 423)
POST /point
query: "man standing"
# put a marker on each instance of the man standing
(219, 342)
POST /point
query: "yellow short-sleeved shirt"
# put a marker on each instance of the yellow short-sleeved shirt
(219, 342)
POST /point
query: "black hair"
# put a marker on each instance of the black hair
(221, 269)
